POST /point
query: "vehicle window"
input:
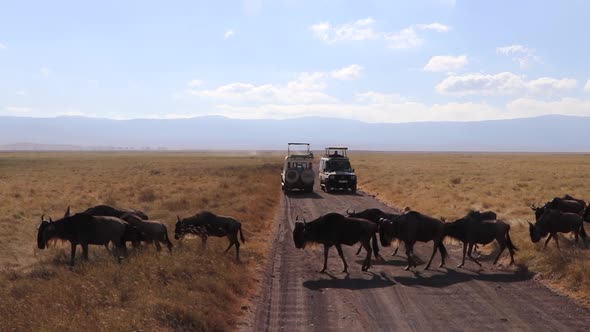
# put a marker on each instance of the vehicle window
(338, 165)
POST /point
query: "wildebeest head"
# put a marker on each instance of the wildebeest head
(180, 228)
(534, 232)
(538, 211)
(386, 231)
(299, 233)
(46, 231)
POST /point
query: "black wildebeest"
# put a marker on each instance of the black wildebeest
(150, 230)
(552, 222)
(105, 210)
(83, 229)
(411, 227)
(480, 228)
(566, 203)
(334, 229)
(373, 215)
(213, 225)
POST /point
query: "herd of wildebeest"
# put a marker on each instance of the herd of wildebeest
(104, 225)
(560, 215)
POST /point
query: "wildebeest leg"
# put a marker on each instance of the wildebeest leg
(360, 247)
(409, 250)
(237, 244)
(157, 244)
(326, 249)
(556, 238)
(502, 247)
(85, 251)
(469, 254)
(341, 254)
(375, 247)
(434, 248)
(367, 262)
(464, 253)
(73, 254)
(396, 249)
(547, 241)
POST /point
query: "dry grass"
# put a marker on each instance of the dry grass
(450, 184)
(189, 289)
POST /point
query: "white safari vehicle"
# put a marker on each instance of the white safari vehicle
(297, 170)
(336, 171)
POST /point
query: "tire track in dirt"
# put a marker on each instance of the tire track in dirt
(298, 298)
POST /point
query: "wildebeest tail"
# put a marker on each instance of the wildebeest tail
(241, 235)
(509, 241)
(583, 232)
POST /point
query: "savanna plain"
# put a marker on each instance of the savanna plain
(196, 289)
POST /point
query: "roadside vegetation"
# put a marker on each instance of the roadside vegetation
(450, 184)
(188, 289)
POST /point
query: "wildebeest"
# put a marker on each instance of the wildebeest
(214, 225)
(566, 203)
(334, 229)
(150, 230)
(372, 215)
(552, 222)
(132, 233)
(105, 210)
(411, 227)
(480, 228)
(83, 229)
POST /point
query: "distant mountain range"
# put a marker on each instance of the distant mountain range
(552, 133)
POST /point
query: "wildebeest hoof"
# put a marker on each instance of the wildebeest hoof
(426, 268)
(460, 266)
(407, 268)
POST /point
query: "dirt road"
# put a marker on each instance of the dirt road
(298, 298)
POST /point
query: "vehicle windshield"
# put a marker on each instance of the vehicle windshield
(338, 165)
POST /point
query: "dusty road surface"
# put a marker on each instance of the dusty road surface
(296, 297)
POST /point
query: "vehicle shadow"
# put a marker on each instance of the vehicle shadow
(387, 262)
(345, 193)
(376, 281)
(303, 195)
(452, 277)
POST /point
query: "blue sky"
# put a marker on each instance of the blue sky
(375, 61)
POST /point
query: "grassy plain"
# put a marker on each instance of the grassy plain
(189, 289)
(450, 184)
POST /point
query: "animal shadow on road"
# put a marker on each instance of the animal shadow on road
(304, 195)
(452, 277)
(376, 281)
(345, 193)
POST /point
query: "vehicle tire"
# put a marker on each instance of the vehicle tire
(291, 176)
(353, 189)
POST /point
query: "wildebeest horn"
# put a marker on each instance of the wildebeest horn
(43, 217)
(50, 219)
(443, 219)
(177, 218)
(304, 221)
(347, 211)
(530, 223)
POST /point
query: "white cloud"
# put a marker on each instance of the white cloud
(409, 37)
(502, 84)
(195, 83)
(438, 27)
(525, 107)
(364, 29)
(308, 87)
(18, 110)
(229, 33)
(521, 54)
(348, 73)
(45, 71)
(446, 63)
(587, 86)
(2, 46)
